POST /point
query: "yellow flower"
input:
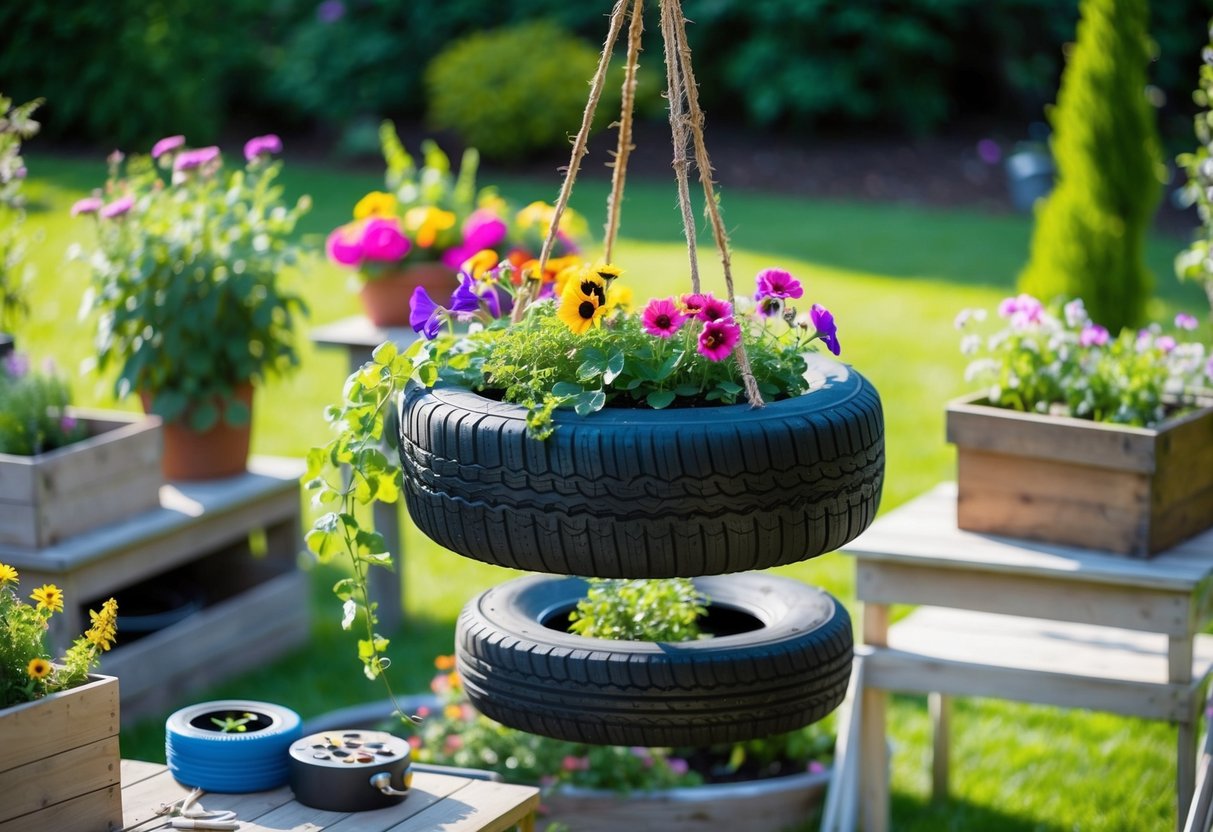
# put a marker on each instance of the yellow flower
(444, 662)
(104, 625)
(493, 202)
(49, 597)
(580, 307)
(607, 272)
(567, 273)
(425, 223)
(480, 263)
(619, 297)
(587, 286)
(375, 204)
(537, 213)
(38, 668)
(8, 575)
(452, 712)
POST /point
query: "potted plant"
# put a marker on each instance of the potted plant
(60, 724)
(54, 458)
(1082, 438)
(16, 125)
(189, 295)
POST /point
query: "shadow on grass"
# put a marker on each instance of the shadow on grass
(914, 814)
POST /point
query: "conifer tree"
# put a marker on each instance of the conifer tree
(1090, 233)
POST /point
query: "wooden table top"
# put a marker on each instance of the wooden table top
(923, 533)
(436, 803)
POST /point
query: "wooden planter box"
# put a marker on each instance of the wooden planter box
(59, 761)
(109, 476)
(1125, 490)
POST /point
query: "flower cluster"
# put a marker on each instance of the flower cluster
(578, 344)
(1056, 360)
(26, 669)
(33, 408)
(16, 125)
(189, 275)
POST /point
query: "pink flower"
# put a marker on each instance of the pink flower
(68, 423)
(718, 338)
(88, 205)
(191, 159)
(1185, 321)
(259, 145)
(1165, 343)
(662, 318)
(452, 743)
(1022, 311)
(693, 303)
(482, 229)
(678, 765)
(118, 207)
(777, 283)
(816, 767)
(167, 145)
(571, 763)
(382, 240)
(344, 245)
(1093, 335)
(715, 309)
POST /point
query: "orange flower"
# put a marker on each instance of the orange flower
(445, 663)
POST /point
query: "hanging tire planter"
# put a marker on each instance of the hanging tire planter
(779, 659)
(638, 493)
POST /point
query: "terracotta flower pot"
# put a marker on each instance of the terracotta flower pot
(221, 451)
(385, 300)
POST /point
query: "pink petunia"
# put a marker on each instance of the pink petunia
(1165, 343)
(167, 145)
(1185, 321)
(1093, 335)
(118, 207)
(88, 205)
(383, 241)
(662, 318)
(777, 283)
(715, 309)
(344, 245)
(482, 229)
(192, 159)
(693, 303)
(1022, 311)
(718, 338)
(262, 145)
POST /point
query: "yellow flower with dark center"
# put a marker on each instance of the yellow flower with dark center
(8, 575)
(49, 597)
(580, 305)
(607, 272)
(480, 263)
(375, 204)
(569, 272)
(38, 668)
(425, 223)
(588, 286)
(104, 625)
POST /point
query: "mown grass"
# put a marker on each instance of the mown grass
(895, 277)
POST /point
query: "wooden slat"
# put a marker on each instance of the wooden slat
(81, 510)
(133, 771)
(100, 810)
(480, 806)
(45, 782)
(69, 719)
(141, 799)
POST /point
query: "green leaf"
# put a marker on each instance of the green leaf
(589, 402)
(237, 413)
(344, 588)
(730, 387)
(687, 390)
(385, 353)
(204, 416)
(564, 389)
(169, 405)
(659, 399)
(614, 367)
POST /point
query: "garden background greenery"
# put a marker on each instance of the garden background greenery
(895, 275)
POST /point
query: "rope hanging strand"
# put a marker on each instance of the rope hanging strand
(678, 128)
(625, 146)
(691, 89)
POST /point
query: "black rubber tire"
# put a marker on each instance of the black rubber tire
(638, 493)
(789, 672)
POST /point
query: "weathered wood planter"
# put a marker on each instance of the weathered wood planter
(111, 475)
(59, 761)
(1131, 491)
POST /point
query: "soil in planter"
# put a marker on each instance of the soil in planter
(718, 620)
(203, 722)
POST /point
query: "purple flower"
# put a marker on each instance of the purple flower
(693, 303)
(344, 245)
(259, 145)
(167, 145)
(118, 207)
(715, 309)
(464, 298)
(1022, 311)
(1185, 321)
(827, 330)
(1093, 335)
(67, 423)
(770, 306)
(1165, 343)
(20, 173)
(777, 283)
(678, 765)
(191, 159)
(88, 205)
(989, 151)
(330, 11)
(662, 318)
(425, 316)
(16, 364)
(1075, 312)
(815, 767)
(383, 240)
(718, 338)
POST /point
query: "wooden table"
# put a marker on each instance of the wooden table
(359, 337)
(436, 803)
(1026, 621)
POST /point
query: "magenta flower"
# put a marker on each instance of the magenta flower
(715, 309)
(571, 763)
(88, 205)
(382, 240)
(1165, 343)
(482, 229)
(425, 316)
(1093, 335)
(678, 765)
(167, 145)
(192, 159)
(777, 283)
(16, 364)
(259, 145)
(691, 304)
(118, 207)
(1185, 321)
(344, 245)
(1022, 311)
(718, 338)
(827, 330)
(662, 318)
(67, 423)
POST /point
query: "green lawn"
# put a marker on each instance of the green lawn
(894, 276)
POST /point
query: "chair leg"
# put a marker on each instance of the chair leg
(940, 707)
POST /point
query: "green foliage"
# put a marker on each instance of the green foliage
(1196, 262)
(516, 90)
(33, 409)
(640, 610)
(16, 125)
(187, 284)
(1058, 362)
(233, 724)
(1090, 232)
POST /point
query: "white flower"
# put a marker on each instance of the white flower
(970, 344)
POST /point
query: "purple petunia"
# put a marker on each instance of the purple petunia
(1185, 321)
(1093, 335)
(777, 283)
(715, 309)
(662, 318)
(425, 316)
(718, 338)
(192, 159)
(167, 145)
(827, 329)
(1022, 311)
(1165, 343)
(693, 303)
(464, 299)
(88, 205)
(262, 145)
(118, 207)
